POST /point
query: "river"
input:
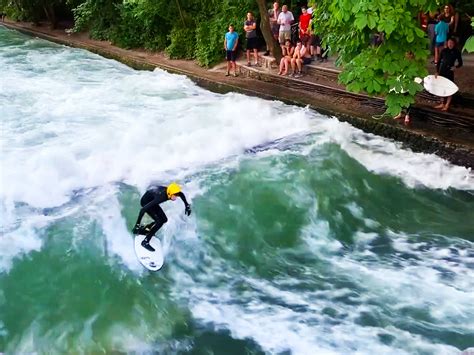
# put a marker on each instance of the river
(307, 236)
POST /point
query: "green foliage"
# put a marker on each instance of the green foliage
(212, 26)
(182, 43)
(141, 24)
(24, 10)
(348, 28)
(97, 16)
(186, 28)
(469, 45)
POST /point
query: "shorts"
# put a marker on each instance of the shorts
(439, 44)
(304, 37)
(252, 43)
(306, 61)
(315, 41)
(230, 55)
(283, 36)
(275, 30)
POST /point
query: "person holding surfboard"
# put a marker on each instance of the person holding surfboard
(446, 67)
(150, 203)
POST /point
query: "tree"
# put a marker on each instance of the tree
(349, 27)
(267, 31)
(469, 46)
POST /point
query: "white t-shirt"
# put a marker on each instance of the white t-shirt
(285, 19)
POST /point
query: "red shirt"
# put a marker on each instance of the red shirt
(304, 21)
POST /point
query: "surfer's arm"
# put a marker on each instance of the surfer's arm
(187, 206)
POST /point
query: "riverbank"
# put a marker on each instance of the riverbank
(453, 144)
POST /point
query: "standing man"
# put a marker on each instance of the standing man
(231, 40)
(285, 20)
(305, 19)
(273, 14)
(446, 67)
(250, 28)
(150, 203)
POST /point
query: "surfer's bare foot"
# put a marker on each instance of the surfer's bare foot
(147, 246)
(445, 108)
(439, 106)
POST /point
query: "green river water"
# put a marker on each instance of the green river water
(307, 235)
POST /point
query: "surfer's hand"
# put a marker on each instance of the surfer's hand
(136, 229)
(187, 210)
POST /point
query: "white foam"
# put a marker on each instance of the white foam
(383, 156)
(68, 127)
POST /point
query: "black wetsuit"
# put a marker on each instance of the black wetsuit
(150, 203)
(446, 62)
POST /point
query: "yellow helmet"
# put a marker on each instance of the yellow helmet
(172, 189)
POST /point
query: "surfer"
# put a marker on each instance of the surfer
(150, 203)
(446, 67)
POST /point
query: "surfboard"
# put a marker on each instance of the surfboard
(439, 86)
(152, 260)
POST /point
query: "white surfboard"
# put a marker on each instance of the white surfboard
(439, 86)
(152, 260)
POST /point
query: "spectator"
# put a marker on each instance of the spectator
(423, 20)
(285, 61)
(250, 28)
(305, 19)
(432, 22)
(446, 67)
(273, 14)
(307, 52)
(284, 20)
(441, 30)
(448, 14)
(231, 40)
(297, 60)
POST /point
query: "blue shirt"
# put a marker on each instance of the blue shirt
(441, 30)
(231, 38)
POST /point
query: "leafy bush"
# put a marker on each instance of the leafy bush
(97, 16)
(347, 27)
(211, 28)
(183, 41)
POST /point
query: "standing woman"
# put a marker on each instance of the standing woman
(449, 15)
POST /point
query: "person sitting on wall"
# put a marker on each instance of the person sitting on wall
(297, 60)
(285, 61)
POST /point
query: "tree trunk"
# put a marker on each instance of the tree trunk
(272, 45)
(50, 14)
